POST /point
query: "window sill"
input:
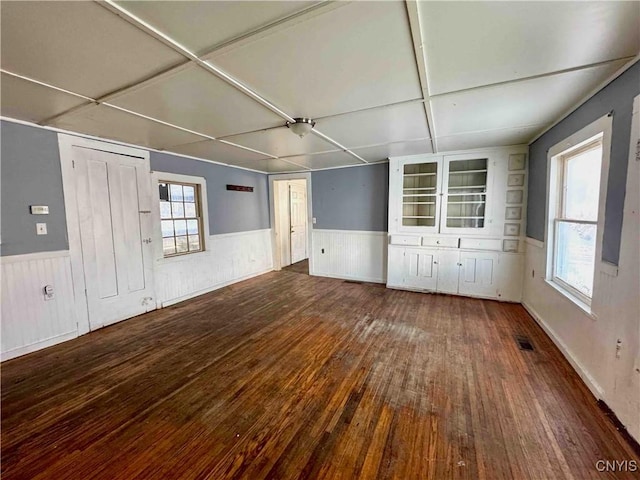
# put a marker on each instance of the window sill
(573, 299)
(183, 258)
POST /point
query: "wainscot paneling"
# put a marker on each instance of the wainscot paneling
(350, 254)
(29, 321)
(229, 258)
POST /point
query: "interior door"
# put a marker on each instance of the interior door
(298, 216)
(114, 212)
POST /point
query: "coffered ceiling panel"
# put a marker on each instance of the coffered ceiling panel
(380, 153)
(531, 102)
(478, 43)
(191, 22)
(26, 100)
(78, 46)
(356, 56)
(491, 138)
(106, 122)
(282, 142)
(379, 125)
(216, 151)
(270, 165)
(197, 100)
(325, 160)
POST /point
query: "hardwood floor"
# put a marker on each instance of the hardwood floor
(290, 376)
(299, 267)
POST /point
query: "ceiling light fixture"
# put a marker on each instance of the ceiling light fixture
(301, 126)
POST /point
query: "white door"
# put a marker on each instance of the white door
(420, 269)
(448, 271)
(478, 274)
(298, 216)
(114, 212)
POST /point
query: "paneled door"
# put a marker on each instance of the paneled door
(298, 216)
(420, 269)
(114, 214)
(478, 274)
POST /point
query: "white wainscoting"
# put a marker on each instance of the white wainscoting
(350, 254)
(29, 322)
(229, 258)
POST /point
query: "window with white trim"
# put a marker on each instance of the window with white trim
(575, 223)
(180, 218)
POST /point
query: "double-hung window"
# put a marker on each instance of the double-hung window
(575, 223)
(180, 218)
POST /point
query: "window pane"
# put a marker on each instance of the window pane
(177, 209)
(189, 210)
(176, 193)
(165, 210)
(192, 227)
(582, 183)
(194, 243)
(576, 251)
(167, 228)
(181, 227)
(168, 246)
(189, 193)
(182, 245)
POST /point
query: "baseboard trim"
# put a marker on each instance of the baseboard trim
(39, 345)
(217, 286)
(588, 380)
(350, 277)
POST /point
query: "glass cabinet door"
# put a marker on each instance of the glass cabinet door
(466, 194)
(419, 194)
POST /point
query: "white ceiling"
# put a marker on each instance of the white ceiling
(218, 80)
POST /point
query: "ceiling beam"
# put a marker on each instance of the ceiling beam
(416, 37)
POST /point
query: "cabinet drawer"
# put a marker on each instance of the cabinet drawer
(405, 240)
(481, 243)
(440, 242)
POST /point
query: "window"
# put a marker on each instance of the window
(180, 218)
(575, 223)
(419, 184)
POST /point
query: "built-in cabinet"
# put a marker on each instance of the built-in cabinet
(456, 222)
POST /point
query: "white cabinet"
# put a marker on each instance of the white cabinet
(445, 271)
(456, 222)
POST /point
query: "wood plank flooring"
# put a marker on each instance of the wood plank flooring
(289, 376)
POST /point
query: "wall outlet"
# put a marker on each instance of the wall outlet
(313, 220)
(41, 228)
(618, 348)
(47, 290)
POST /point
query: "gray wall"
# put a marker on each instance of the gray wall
(354, 198)
(617, 96)
(30, 175)
(229, 211)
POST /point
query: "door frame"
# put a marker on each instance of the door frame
(277, 260)
(66, 143)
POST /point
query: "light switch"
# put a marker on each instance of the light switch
(41, 228)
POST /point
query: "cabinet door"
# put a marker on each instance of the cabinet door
(420, 269)
(414, 195)
(465, 193)
(478, 272)
(448, 271)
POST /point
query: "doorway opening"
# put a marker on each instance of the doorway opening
(291, 222)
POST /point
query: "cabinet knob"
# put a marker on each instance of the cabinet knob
(435, 263)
